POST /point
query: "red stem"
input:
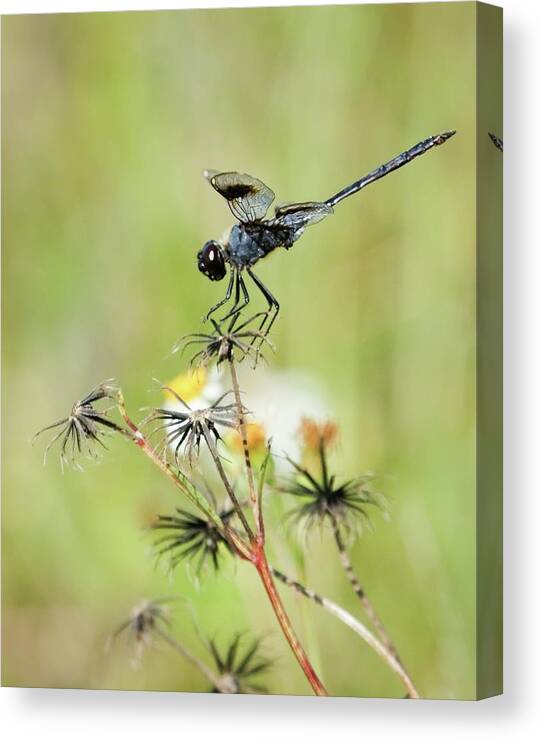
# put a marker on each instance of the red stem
(262, 566)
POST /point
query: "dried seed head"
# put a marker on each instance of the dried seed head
(82, 430)
(190, 537)
(323, 499)
(233, 343)
(238, 668)
(147, 620)
(184, 427)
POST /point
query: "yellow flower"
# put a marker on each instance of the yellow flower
(198, 388)
(188, 385)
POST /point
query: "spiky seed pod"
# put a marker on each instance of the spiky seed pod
(238, 668)
(83, 429)
(324, 499)
(190, 537)
(148, 620)
(184, 429)
(235, 342)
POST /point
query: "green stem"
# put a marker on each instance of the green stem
(196, 662)
(227, 485)
(254, 498)
(358, 589)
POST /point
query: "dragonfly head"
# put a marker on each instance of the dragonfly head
(211, 260)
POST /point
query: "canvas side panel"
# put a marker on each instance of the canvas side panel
(489, 351)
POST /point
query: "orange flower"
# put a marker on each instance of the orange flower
(312, 433)
(256, 438)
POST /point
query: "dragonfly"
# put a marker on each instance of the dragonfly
(254, 236)
(495, 139)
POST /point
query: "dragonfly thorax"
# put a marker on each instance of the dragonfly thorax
(248, 243)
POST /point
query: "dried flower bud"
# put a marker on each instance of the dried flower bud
(185, 427)
(236, 342)
(83, 429)
(148, 619)
(189, 536)
(237, 670)
(324, 499)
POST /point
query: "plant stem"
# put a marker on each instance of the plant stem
(135, 435)
(196, 662)
(264, 572)
(259, 557)
(254, 498)
(362, 596)
(356, 626)
(227, 485)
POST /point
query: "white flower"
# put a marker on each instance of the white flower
(280, 400)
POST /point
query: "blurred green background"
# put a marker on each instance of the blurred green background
(108, 121)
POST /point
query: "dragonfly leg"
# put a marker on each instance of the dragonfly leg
(226, 298)
(235, 300)
(273, 306)
(238, 305)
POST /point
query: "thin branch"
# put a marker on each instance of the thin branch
(196, 662)
(355, 625)
(241, 422)
(265, 574)
(358, 589)
(227, 485)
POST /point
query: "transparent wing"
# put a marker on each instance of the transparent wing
(248, 197)
(299, 215)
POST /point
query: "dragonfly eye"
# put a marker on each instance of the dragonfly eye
(211, 261)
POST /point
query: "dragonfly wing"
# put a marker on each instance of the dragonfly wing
(299, 215)
(248, 197)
